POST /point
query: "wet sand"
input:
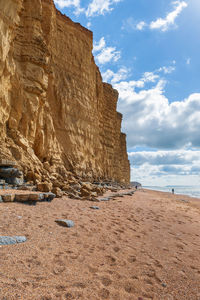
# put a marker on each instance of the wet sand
(145, 246)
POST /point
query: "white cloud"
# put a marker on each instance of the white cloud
(188, 61)
(141, 25)
(104, 54)
(167, 70)
(150, 120)
(154, 175)
(164, 23)
(99, 45)
(149, 77)
(100, 7)
(175, 158)
(89, 24)
(115, 77)
(130, 24)
(123, 73)
(68, 3)
(108, 54)
(166, 167)
(94, 8)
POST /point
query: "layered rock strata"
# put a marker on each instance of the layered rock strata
(57, 117)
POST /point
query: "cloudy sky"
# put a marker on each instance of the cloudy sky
(149, 51)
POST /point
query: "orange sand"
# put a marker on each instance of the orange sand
(145, 246)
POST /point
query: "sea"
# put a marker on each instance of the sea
(190, 190)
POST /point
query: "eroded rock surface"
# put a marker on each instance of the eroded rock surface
(57, 118)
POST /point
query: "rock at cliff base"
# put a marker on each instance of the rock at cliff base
(44, 187)
(8, 197)
(87, 186)
(85, 192)
(48, 196)
(36, 197)
(21, 197)
(7, 172)
(57, 191)
(7, 163)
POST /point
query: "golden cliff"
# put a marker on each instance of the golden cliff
(56, 116)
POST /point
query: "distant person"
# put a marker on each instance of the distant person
(136, 187)
(172, 191)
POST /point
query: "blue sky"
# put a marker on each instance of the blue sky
(149, 51)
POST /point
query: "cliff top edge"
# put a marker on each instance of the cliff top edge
(66, 19)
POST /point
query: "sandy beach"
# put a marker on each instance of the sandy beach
(145, 246)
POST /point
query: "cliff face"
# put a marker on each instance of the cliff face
(56, 115)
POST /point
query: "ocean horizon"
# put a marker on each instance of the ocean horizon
(190, 190)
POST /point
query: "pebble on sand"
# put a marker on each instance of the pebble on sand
(11, 240)
(104, 199)
(94, 207)
(65, 223)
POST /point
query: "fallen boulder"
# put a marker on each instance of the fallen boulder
(36, 197)
(85, 192)
(22, 197)
(8, 197)
(57, 191)
(48, 196)
(10, 172)
(44, 186)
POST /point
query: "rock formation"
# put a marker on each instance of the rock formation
(57, 117)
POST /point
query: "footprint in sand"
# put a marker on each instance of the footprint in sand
(69, 296)
(158, 264)
(116, 249)
(138, 236)
(58, 261)
(74, 256)
(121, 231)
(61, 288)
(92, 269)
(33, 261)
(81, 258)
(118, 235)
(79, 285)
(106, 281)
(132, 259)
(180, 246)
(148, 281)
(91, 250)
(58, 270)
(151, 273)
(111, 260)
(104, 294)
(129, 287)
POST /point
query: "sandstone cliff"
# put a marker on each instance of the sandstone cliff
(56, 115)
